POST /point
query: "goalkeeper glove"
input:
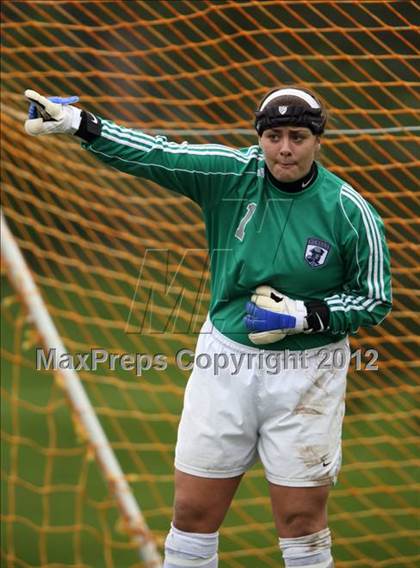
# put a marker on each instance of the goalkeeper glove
(53, 115)
(271, 315)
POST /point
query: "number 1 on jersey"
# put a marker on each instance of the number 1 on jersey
(240, 231)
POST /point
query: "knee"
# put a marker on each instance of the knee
(301, 523)
(193, 517)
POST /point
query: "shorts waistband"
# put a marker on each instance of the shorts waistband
(210, 329)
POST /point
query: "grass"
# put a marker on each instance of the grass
(57, 510)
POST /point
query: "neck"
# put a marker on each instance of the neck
(298, 185)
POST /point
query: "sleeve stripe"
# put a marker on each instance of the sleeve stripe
(347, 303)
(373, 222)
(372, 246)
(373, 306)
(344, 299)
(144, 142)
(147, 147)
(139, 163)
(357, 239)
(354, 307)
(376, 274)
(345, 308)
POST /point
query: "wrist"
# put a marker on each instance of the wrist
(74, 118)
(89, 128)
(300, 314)
(318, 316)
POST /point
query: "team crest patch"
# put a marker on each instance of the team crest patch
(316, 252)
(282, 109)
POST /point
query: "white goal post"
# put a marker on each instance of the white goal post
(23, 282)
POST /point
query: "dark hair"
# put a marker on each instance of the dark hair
(291, 109)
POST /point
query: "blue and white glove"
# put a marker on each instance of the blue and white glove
(271, 316)
(53, 115)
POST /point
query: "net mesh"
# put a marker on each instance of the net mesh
(91, 234)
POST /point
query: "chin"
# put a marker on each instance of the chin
(286, 177)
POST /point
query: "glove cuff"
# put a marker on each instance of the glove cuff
(75, 118)
(89, 128)
(300, 315)
(318, 316)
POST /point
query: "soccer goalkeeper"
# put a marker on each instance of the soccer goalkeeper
(298, 261)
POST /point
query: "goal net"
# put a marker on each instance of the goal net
(101, 245)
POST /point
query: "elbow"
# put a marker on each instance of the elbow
(381, 312)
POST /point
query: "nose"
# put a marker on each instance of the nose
(285, 147)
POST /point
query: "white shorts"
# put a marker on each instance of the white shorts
(243, 403)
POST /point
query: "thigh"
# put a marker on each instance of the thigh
(218, 430)
(299, 511)
(300, 438)
(202, 503)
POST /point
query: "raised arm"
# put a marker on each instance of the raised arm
(203, 172)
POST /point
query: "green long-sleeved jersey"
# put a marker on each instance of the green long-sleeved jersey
(323, 243)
